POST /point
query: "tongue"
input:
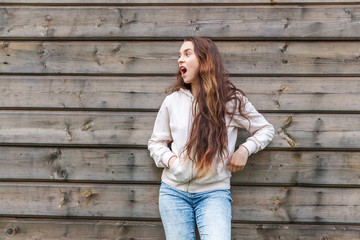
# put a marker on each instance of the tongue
(183, 72)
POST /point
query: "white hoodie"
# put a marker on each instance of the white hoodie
(173, 124)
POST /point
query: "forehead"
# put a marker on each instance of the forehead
(187, 45)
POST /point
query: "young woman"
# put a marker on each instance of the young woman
(200, 118)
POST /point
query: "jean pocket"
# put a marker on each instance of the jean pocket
(228, 190)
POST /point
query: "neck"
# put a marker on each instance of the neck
(194, 89)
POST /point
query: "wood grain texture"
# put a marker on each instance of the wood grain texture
(291, 22)
(178, 2)
(131, 201)
(160, 57)
(106, 92)
(134, 128)
(53, 229)
(135, 165)
(82, 164)
(73, 158)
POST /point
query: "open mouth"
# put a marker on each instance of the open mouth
(183, 71)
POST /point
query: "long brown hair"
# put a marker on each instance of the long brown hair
(208, 139)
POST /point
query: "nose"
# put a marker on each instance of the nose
(180, 59)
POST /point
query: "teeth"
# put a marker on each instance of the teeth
(183, 69)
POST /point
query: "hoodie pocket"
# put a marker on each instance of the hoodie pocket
(181, 170)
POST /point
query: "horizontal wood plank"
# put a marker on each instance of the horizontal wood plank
(177, 2)
(143, 57)
(92, 92)
(82, 164)
(310, 22)
(53, 229)
(135, 165)
(250, 203)
(135, 128)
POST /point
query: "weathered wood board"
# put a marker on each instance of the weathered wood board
(160, 57)
(315, 131)
(133, 201)
(112, 93)
(178, 2)
(66, 229)
(113, 165)
(291, 22)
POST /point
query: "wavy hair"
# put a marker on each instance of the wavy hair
(208, 139)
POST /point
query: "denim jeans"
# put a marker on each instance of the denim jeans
(180, 211)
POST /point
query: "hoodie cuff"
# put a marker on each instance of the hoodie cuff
(166, 157)
(250, 146)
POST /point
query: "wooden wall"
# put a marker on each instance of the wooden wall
(81, 82)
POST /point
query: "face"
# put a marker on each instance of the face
(188, 62)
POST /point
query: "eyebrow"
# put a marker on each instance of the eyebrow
(185, 50)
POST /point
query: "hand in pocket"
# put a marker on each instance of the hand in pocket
(172, 160)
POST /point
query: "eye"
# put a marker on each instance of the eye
(187, 54)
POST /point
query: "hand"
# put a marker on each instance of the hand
(171, 160)
(238, 160)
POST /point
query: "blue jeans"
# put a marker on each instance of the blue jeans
(180, 211)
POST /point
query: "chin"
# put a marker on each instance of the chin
(187, 81)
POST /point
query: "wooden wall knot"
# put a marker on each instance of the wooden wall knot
(122, 20)
(65, 197)
(68, 132)
(48, 18)
(277, 103)
(282, 89)
(284, 135)
(5, 44)
(12, 230)
(101, 24)
(47, 32)
(58, 173)
(87, 126)
(259, 228)
(122, 223)
(55, 156)
(288, 121)
(277, 93)
(5, 11)
(287, 23)
(88, 197)
(283, 49)
(63, 173)
(96, 56)
(89, 194)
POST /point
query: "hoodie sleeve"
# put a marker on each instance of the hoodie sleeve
(260, 130)
(161, 136)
